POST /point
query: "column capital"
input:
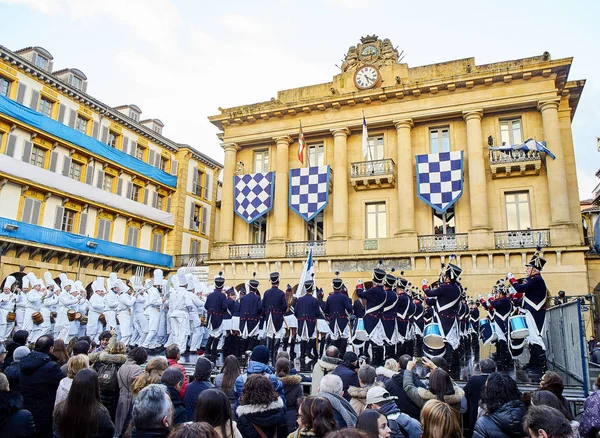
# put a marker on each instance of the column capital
(544, 105)
(340, 132)
(230, 147)
(283, 139)
(473, 114)
(404, 123)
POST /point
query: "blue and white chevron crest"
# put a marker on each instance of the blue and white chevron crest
(253, 195)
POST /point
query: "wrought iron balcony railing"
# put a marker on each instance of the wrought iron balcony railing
(247, 251)
(522, 238)
(300, 249)
(443, 242)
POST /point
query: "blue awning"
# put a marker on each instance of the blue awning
(62, 239)
(52, 127)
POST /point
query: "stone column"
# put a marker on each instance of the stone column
(340, 183)
(480, 235)
(226, 225)
(280, 206)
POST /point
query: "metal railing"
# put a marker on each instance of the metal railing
(443, 242)
(247, 251)
(372, 168)
(300, 249)
(500, 157)
(184, 259)
(522, 238)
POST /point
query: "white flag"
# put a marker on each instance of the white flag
(365, 139)
(307, 274)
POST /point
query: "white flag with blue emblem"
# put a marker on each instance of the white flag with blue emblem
(307, 274)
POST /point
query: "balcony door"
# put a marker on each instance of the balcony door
(444, 223)
(258, 229)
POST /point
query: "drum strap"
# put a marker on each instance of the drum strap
(446, 306)
(391, 306)
(419, 316)
(537, 307)
(374, 309)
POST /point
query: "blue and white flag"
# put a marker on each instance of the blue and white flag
(309, 190)
(529, 145)
(440, 179)
(307, 273)
(253, 195)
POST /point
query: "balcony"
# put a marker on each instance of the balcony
(185, 259)
(522, 238)
(514, 163)
(373, 174)
(443, 242)
(249, 251)
(300, 249)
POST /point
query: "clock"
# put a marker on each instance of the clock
(369, 50)
(366, 77)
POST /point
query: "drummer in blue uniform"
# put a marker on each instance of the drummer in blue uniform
(216, 306)
(274, 306)
(250, 314)
(533, 292)
(307, 309)
(503, 309)
(474, 328)
(402, 315)
(338, 309)
(375, 299)
(418, 324)
(388, 317)
(228, 342)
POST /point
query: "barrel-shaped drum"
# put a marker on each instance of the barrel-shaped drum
(432, 336)
(518, 327)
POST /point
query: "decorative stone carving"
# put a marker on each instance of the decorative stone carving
(402, 264)
(371, 50)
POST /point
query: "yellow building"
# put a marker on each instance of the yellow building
(86, 188)
(510, 202)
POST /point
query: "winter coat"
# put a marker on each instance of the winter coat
(11, 346)
(271, 419)
(473, 390)
(179, 412)
(395, 387)
(402, 425)
(258, 368)
(590, 418)
(109, 399)
(174, 363)
(342, 410)
(63, 390)
(13, 374)
(358, 396)
(150, 433)
(40, 377)
(420, 396)
(384, 374)
(506, 422)
(349, 378)
(15, 422)
(126, 375)
(293, 392)
(191, 396)
(324, 366)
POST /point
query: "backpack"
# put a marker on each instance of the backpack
(107, 377)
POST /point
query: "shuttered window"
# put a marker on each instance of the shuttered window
(160, 201)
(195, 247)
(81, 124)
(132, 236)
(140, 152)
(75, 171)
(46, 107)
(109, 181)
(31, 211)
(157, 242)
(68, 220)
(104, 226)
(112, 139)
(4, 87)
(135, 193)
(38, 157)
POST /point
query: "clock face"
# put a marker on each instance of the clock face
(366, 77)
(369, 50)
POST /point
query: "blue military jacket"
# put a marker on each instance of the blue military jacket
(216, 306)
(274, 305)
(337, 308)
(250, 311)
(375, 298)
(307, 310)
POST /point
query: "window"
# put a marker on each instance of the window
(195, 247)
(108, 182)
(439, 140)
(444, 223)
(68, 221)
(112, 139)
(41, 62)
(76, 82)
(38, 156)
(162, 163)
(132, 236)
(4, 87)
(196, 216)
(157, 242)
(376, 221)
(157, 129)
(160, 201)
(75, 171)
(140, 151)
(316, 155)
(136, 192)
(81, 124)
(314, 228)
(46, 107)
(375, 148)
(518, 216)
(104, 226)
(261, 161)
(31, 211)
(199, 188)
(510, 132)
(258, 229)
(135, 116)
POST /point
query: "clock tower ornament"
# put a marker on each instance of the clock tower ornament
(366, 58)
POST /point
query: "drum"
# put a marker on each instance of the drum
(78, 316)
(485, 330)
(360, 334)
(518, 327)
(11, 317)
(102, 319)
(433, 336)
(433, 352)
(71, 315)
(84, 320)
(37, 318)
(53, 316)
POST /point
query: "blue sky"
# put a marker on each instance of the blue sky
(180, 60)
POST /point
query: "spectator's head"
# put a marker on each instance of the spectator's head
(499, 390)
(194, 430)
(442, 363)
(86, 339)
(404, 360)
(552, 382)
(139, 355)
(174, 377)
(258, 390)
(378, 396)
(283, 355)
(392, 365)
(156, 366)
(261, 354)
(316, 413)
(333, 352)
(44, 344)
(173, 352)
(546, 422)
(118, 348)
(76, 364)
(203, 369)
(282, 367)
(440, 383)
(367, 375)
(4, 387)
(213, 407)
(60, 351)
(350, 360)
(439, 420)
(104, 338)
(374, 423)
(231, 371)
(20, 337)
(81, 347)
(20, 353)
(152, 408)
(487, 366)
(547, 398)
(348, 432)
(332, 384)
